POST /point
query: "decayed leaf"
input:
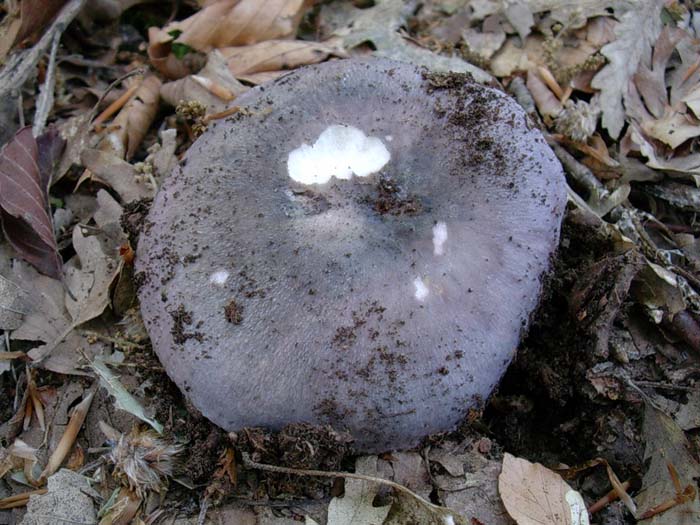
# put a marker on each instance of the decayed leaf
(534, 495)
(24, 201)
(118, 174)
(123, 400)
(88, 276)
(131, 124)
(636, 34)
(668, 449)
(276, 55)
(380, 25)
(356, 505)
(214, 86)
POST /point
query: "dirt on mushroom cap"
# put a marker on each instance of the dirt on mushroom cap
(356, 312)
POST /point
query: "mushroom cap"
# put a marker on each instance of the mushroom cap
(386, 304)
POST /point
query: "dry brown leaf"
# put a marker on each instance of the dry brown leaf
(513, 57)
(214, 86)
(221, 24)
(274, 55)
(535, 495)
(88, 276)
(673, 128)
(132, 123)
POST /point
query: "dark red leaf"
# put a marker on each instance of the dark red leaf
(24, 207)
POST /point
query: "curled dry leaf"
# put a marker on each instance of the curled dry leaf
(25, 174)
(132, 123)
(534, 495)
(223, 23)
(214, 86)
(547, 104)
(69, 436)
(276, 55)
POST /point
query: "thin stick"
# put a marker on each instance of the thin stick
(19, 500)
(249, 463)
(115, 106)
(607, 499)
(44, 102)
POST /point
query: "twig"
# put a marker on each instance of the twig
(22, 65)
(607, 499)
(581, 174)
(44, 102)
(667, 386)
(115, 106)
(19, 500)
(20, 109)
(249, 463)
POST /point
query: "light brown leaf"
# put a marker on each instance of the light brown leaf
(534, 495)
(132, 123)
(274, 55)
(673, 128)
(227, 23)
(214, 86)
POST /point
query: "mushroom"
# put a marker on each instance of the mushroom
(361, 245)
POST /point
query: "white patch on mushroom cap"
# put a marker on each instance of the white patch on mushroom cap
(439, 238)
(340, 151)
(421, 289)
(219, 277)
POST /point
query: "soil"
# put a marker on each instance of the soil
(543, 409)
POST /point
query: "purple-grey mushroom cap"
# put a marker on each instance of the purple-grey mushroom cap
(385, 297)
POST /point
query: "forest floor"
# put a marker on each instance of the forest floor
(597, 416)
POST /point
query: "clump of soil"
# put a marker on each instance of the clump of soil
(389, 199)
(299, 446)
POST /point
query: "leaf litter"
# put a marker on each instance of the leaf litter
(613, 85)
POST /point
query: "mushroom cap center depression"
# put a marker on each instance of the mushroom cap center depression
(363, 246)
